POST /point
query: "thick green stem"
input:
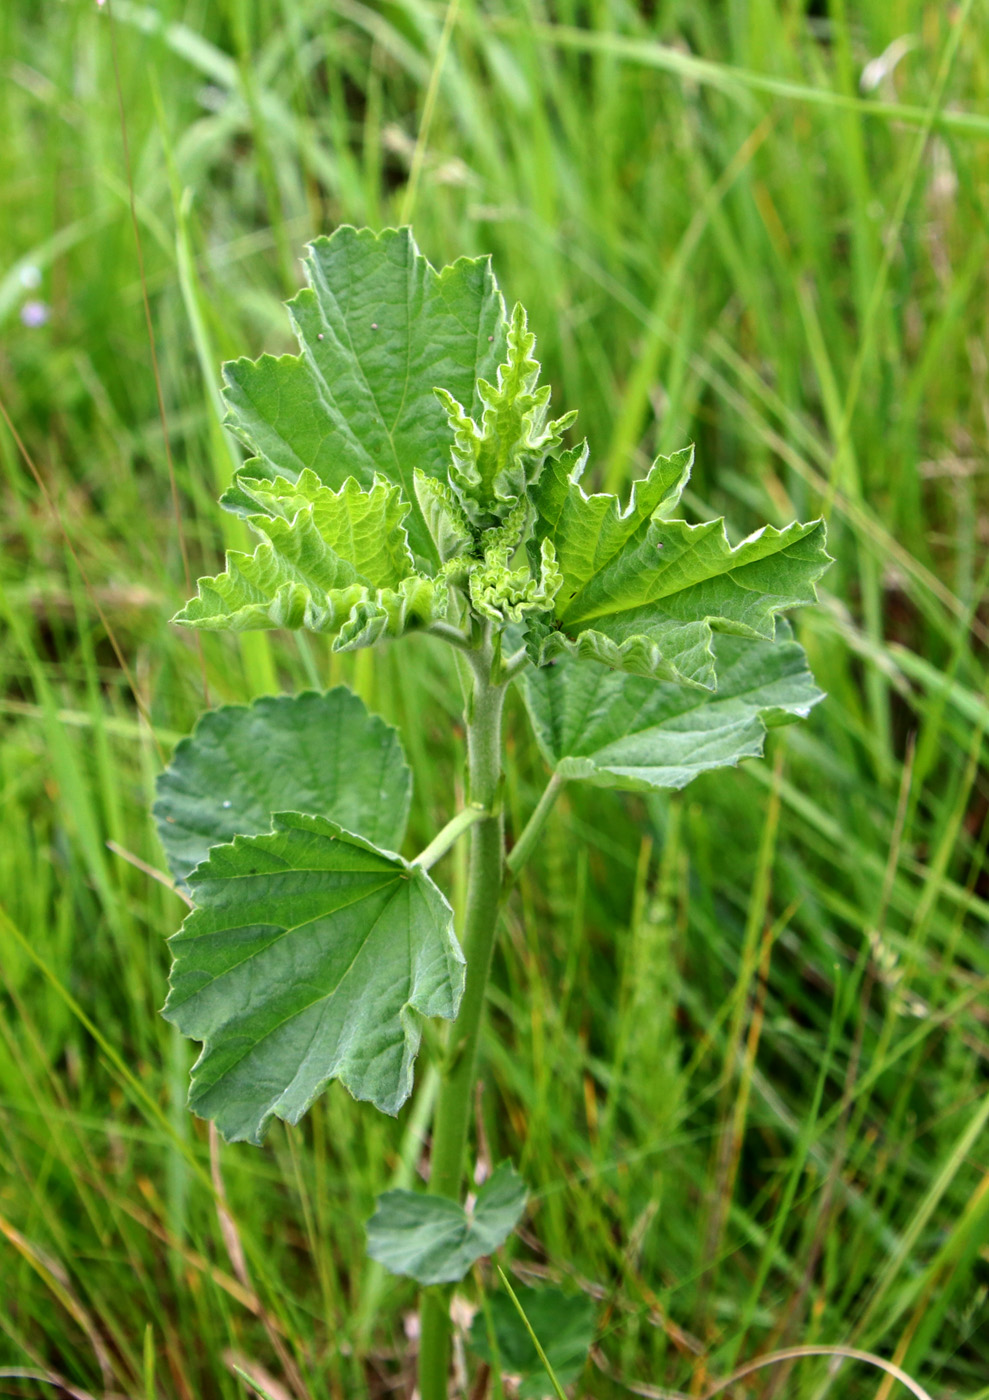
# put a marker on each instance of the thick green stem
(453, 1108)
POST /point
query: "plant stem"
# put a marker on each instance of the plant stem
(484, 882)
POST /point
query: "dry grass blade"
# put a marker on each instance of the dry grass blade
(775, 1358)
(52, 1378)
(238, 1262)
(58, 1284)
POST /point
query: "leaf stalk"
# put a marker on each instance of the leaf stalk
(450, 834)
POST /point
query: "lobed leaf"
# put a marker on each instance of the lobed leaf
(634, 733)
(645, 594)
(378, 329)
(323, 754)
(307, 958)
(336, 562)
(435, 1240)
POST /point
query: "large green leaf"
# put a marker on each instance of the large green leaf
(563, 1322)
(435, 1240)
(306, 959)
(322, 754)
(379, 329)
(635, 733)
(336, 562)
(643, 593)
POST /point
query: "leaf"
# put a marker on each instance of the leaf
(564, 1324)
(378, 328)
(492, 464)
(449, 527)
(305, 961)
(645, 594)
(435, 1240)
(323, 754)
(638, 734)
(502, 593)
(336, 562)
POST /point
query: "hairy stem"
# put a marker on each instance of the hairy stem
(484, 882)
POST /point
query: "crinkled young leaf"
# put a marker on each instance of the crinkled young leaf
(563, 1322)
(435, 1240)
(506, 594)
(306, 959)
(323, 754)
(644, 594)
(379, 329)
(635, 733)
(444, 516)
(493, 463)
(336, 562)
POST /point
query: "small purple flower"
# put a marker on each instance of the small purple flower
(34, 313)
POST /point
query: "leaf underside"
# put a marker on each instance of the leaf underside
(639, 734)
(319, 753)
(306, 959)
(435, 1240)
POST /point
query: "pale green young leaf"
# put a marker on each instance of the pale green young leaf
(645, 594)
(307, 958)
(504, 594)
(323, 754)
(636, 733)
(444, 516)
(493, 462)
(563, 1322)
(336, 562)
(435, 1240)
(379, 328)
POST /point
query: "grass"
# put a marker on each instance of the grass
(741, 1034)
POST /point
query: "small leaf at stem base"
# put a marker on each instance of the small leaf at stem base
(435, 1240)
(563, 1323)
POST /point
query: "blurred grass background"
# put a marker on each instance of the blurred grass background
(739, 1037)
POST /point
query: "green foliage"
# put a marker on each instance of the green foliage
(333, 562)
(311, 949)
(629, 732)
(305, 960)
(321, 753)
(378, 328)
(493, 464)
(708, 237)
(627, 587)
(436, 1240)
(563, 1322)
(642, 592)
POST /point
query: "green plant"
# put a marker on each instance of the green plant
(407, 477)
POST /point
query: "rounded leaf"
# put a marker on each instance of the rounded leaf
(318, 753)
